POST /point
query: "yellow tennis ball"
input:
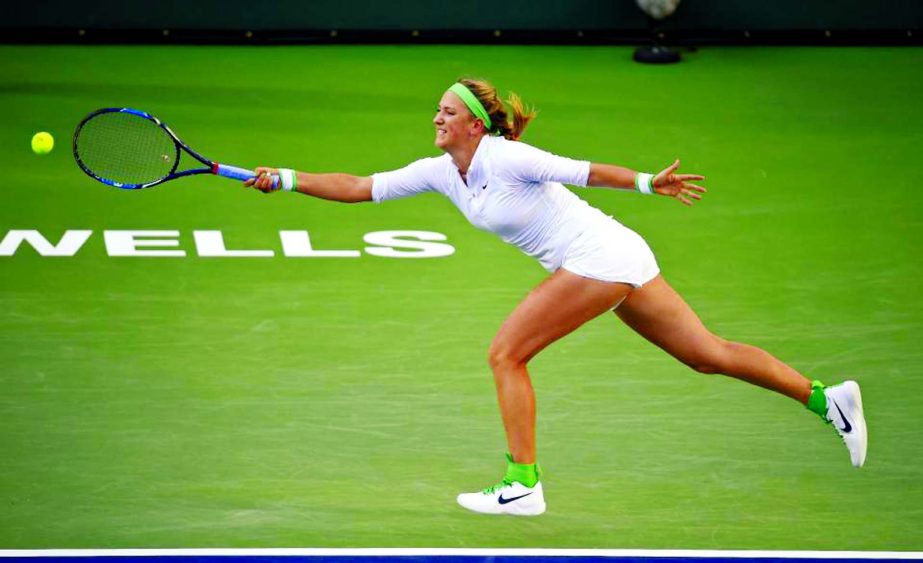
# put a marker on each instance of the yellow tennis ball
(42, 143)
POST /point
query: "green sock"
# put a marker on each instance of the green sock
(817, 402)
(525, 473)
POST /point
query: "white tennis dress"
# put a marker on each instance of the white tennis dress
(515, 191)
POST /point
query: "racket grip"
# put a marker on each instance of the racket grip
(241, 174)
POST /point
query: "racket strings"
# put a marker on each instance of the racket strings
(126, 148)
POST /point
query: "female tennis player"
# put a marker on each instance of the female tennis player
(596, 265)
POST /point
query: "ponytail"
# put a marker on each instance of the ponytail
(521, 117)
(487, 95)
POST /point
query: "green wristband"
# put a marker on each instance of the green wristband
(644, 183)
(287, 180)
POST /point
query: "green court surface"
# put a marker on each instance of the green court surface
(294, 402)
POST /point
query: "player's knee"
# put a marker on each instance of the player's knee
(710, 359)
(500, 355)
(703, 366)
(496, 356)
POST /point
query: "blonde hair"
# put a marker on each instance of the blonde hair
(487, 95)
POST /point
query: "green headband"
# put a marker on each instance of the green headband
(472, 102)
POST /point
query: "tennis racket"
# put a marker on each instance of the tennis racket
(131, 149)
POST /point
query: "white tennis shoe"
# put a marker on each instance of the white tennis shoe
(506, 498)
(844, 411)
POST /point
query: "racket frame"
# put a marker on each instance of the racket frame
(211, 167)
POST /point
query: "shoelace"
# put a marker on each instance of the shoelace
(497, 487)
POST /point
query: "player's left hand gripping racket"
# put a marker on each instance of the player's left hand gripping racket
(131, 149)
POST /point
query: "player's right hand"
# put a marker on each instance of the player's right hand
(263, 180)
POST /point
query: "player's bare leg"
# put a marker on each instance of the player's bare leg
(558, 306)
(659, 314)
(554, 309)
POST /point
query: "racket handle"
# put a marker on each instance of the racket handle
(241, 174)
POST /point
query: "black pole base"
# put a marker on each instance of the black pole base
(656, 55)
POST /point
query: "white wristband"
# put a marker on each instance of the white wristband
(287, 179)
(643, 183)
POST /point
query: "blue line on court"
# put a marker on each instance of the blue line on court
(486, 558)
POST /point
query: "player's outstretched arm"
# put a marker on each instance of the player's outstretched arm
(345, 188)
(666, 183)
(611, 176)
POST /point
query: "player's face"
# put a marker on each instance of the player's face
(453, 122)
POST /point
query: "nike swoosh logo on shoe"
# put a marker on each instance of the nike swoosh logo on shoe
(502, 500)
(847, 428)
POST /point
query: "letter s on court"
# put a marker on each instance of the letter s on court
(390, 244)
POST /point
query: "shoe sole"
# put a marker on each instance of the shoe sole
(530, 510)
(855, 396)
